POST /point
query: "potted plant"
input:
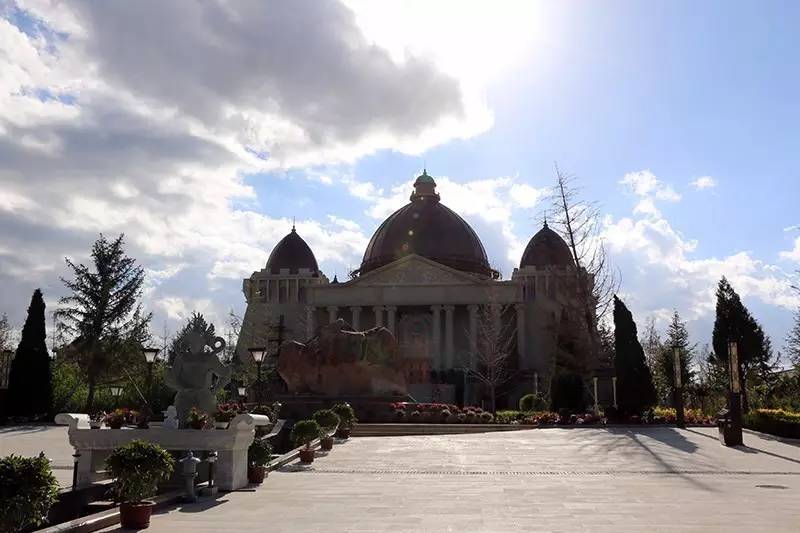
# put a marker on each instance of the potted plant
(136, 469)
(347, 419)
(197, 419)
(224, 414)
(258, 455)
(303, 434)
(96, 420)
(27, 491)
(329, 422)
(116, 418)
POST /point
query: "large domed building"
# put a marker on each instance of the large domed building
(426, 277)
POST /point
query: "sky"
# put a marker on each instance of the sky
(200, 130)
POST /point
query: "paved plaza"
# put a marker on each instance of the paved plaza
(577, 479)
(30, 440)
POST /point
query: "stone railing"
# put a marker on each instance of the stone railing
(231, 444)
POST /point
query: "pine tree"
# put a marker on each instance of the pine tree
(793, 341)
(635, 391)
(735, 323)
(677, 337)
(653, 348)
(196, 322)
(104, 315)
(30, 392)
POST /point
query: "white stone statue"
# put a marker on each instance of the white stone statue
(171, 418)
(197, 374)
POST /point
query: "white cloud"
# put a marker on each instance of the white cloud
(704, 182)
(794, 253)
(648, 188)
(659, 268)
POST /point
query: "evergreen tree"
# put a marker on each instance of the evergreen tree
(677, 337)
(635, 391)
(606, 345)
(653, 348)
(735, 323)
(30, 392)
(196, 322)
(793, 341)
(104, 315)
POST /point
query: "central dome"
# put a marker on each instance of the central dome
(426, 227)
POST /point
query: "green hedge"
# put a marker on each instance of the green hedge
(775, 422)
(27, 491)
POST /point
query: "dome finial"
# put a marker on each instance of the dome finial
(293, 230)
(545, 221)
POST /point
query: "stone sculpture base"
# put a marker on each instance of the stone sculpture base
(231, 444)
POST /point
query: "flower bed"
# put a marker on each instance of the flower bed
(439, 413)
(775, 422)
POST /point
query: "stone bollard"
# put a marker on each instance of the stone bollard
(189, 473)
(211, 489)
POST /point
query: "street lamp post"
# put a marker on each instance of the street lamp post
(116, 390)
(242, 390)
(150, 355)
(680, 419)
(258, 354)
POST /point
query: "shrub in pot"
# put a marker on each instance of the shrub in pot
(224, 414)
(303, 434)
(258, 455)
(347, 419)
(444, 415)
(329, 422)
(197, 419)
(136, 469)
(487, 417)
(119, 417)
(27, 491)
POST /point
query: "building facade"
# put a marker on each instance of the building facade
(426, 277)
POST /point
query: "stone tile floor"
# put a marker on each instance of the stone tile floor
(577, 479)
(30, 440)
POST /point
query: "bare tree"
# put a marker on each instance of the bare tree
(578, 222)
(490, 364)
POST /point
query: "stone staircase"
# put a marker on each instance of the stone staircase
(394, 430)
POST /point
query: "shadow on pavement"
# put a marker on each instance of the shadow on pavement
(21, 430)
(750, 449)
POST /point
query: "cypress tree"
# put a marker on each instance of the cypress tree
(30, 392)
(735, 323)
(677, 337)
(635, 391)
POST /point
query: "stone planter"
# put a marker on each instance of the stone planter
(230, 444)
(307, 455)
(135, 515)
(256, 474)
(115, 425)
(221, 425)
(326, 443)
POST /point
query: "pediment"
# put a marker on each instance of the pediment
(416, 270)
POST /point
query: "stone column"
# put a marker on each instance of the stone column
(309, 322)
(436, 349)
(473, 334)
(391, 312)
(448, 335)
(520, 331)
(378, 309)
(333, 311)
(356, 312)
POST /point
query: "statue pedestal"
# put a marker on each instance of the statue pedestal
(231, 445)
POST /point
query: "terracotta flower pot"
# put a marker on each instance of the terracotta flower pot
(256, 474)
(115, 425)
(343, 433)
(197, 425)
(307, 455)
(135, 515)
(326, 443)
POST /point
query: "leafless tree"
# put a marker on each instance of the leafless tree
(491, 362)
(578, 222)
(793, 338)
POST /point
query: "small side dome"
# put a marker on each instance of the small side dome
(546, 248)
(294, 254)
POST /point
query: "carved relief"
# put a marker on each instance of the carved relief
(415, 273)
